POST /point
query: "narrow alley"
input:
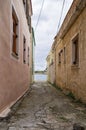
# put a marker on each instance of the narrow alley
(46, 108)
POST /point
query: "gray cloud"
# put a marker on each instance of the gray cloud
(47, 27)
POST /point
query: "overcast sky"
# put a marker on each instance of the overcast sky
(47, 27)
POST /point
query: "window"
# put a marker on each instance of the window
(29, 23)
(64, 55)
(15, 44)
(59, 57)
(52, 62)
(24, 49)
(28, 55)
(24, 3)
(75, 50)
(26, 8)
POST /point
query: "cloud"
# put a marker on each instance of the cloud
(47, 27)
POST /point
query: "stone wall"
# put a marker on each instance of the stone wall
(68, 76)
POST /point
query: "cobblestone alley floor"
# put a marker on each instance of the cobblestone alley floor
(46, 108)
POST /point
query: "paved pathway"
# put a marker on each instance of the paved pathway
(46, 108)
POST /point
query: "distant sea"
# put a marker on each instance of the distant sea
(40, 77)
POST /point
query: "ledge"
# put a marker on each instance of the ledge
(15, 55)
(4, 113)
(75, 66)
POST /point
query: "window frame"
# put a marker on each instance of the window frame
(15, 45)
(26, 10)
(75, 50)
(24, 49)
(64, 54)
(25, 5)
(59, 57)
(28, 56)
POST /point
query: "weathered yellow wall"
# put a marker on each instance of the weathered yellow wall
(69, 77)
(51, 67)
(14, 74)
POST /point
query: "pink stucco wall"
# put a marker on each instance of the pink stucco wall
(14, 74)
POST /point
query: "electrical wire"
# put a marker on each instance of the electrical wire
(39, 15)
(61, 15)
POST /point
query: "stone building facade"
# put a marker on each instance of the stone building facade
(70, 52)
(51, 66)
(15, 32)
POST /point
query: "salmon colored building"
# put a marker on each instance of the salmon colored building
(70, 51)
(15, 47)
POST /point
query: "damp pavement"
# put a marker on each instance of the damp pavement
(46, 108)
